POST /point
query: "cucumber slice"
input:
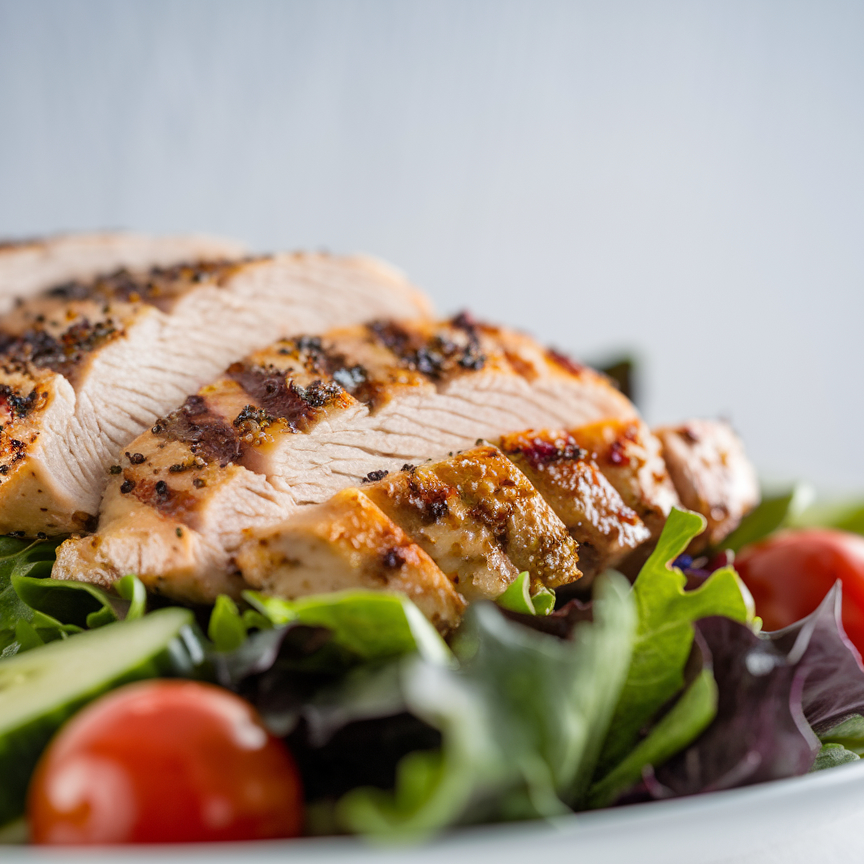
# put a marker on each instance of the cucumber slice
(43, 687)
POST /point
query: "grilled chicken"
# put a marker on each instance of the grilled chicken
(480, 520)
(348, 542)
(313, 416)
(473, 514)
(606, 529)
(630, 459)
(712, 474)
(87, 366)
(30, 266)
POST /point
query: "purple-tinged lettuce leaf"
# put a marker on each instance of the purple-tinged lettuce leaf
(759, 732)
(833, 685)
(772, 689)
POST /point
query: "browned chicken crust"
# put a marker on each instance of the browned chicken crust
(712, 475)
(86, 367)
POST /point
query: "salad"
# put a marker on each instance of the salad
(124, 718)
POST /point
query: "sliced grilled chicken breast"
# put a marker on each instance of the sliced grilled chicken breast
(30, 266)
(344, 543)
(629, 457)
(606, 529)
(480, 520)
(474, 513)
(712, 474)
(88, 366)
(314, 416)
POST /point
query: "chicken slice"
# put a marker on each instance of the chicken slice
(88, 366)
(345, 543)
(480, 520)
(428, 389)
(316, 415)
(629, 457)
(712, 474)
(30, 266)
(605, 528)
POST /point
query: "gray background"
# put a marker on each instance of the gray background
(680, 179)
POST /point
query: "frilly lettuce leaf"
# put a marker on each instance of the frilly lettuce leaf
(35, 609)
(833, 678)
(664, 633)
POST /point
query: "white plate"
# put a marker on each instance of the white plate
(697, 830)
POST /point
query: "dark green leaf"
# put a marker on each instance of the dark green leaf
(623, 372)
(773, 512)
(21, 558)
(521, 720)
(78, 603)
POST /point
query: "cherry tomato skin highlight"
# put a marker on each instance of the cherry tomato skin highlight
(790, 573)
(165, 762)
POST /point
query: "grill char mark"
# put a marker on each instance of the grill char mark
(157, 287)
(18, 406)
(61, 353)
(274, 393)
(209, 437)
(438, 355)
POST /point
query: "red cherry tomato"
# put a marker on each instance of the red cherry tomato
(165, 762)
(790, 573)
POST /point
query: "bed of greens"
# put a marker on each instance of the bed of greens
(665, 688)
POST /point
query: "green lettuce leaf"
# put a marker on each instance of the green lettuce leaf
(664, 634)
(81, 604)
(35, 609)
(24, 558)
(688, 718)
(832, 755)
(521, 721)
(226, 630)
(366, 625)
(842, 515)
(772, 513)
(849, 734)
(518, 597)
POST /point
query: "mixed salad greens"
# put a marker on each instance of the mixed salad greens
(664, 688)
